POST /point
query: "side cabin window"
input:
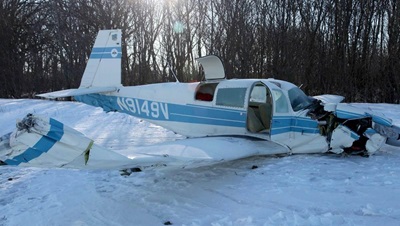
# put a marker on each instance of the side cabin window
(281, 104)
(205, 91)
(231, 97)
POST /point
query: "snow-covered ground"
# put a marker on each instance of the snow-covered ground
(291, 190)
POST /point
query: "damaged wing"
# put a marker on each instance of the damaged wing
(46, 142)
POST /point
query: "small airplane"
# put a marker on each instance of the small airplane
(274, 112)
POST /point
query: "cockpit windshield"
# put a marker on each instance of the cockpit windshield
(298, 99)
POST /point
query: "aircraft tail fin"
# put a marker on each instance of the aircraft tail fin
(104, 65)
(103, 70)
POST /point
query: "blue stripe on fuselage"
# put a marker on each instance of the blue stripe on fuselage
(162, 111)
(192, 113)
(284, 124)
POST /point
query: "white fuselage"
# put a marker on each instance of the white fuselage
(176, 106)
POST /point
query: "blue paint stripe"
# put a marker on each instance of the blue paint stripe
(219, 113)
(200, 114)
(44, 144)
(281, 122)
(348, 115)
(375, 118)
(354, 135)
(216, 108)
(294, 121)
(105, 53)
(276, 131)
(105, 56)
(285, 124)
(370, 131)
(205, 120)
(56, 130)
(381, 120)
(105, 49)
(178, 113)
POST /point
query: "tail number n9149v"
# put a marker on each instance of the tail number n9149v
(144, 108)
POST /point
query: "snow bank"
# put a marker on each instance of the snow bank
(291, 190)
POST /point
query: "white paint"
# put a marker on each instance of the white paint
(107, 71)
(341, 138)
(212, 66)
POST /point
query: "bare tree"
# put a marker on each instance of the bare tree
(347, 47)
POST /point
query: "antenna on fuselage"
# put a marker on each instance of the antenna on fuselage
(173, 72)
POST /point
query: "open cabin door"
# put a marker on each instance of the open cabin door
(212, 66)
(259, 111)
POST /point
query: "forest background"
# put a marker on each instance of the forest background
(345, 47)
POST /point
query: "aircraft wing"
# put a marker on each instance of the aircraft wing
(45, 142)
(195, 152)
(381, 124)
(329, 98)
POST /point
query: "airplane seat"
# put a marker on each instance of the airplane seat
(204, 96)
(205, 93)
(253, 123)
(266, 114)
(252, 104)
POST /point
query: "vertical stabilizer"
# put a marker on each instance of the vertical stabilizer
(104, 65)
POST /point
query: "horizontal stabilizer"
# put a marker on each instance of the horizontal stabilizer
(76, 92)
